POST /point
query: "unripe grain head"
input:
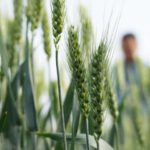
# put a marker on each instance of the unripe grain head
(29, 10)
(58, 8)
(46, 34)
(18, 12)
(78, 71)
(110, 95)
(36, 14)
(97, 80)
(86, 31)
(11, 43)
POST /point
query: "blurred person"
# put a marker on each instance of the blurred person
(129, 72)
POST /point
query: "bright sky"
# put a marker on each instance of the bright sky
(134, 18)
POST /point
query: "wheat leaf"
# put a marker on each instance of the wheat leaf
(80, 139)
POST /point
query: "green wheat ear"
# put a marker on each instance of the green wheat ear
(58, 14)
(109, 91)
(11, 44)
(78, 71)
(86, 32)
(110, 95)
(36, 14)
(18, 12)
(29, 10)
(97, 80)
(46, 34)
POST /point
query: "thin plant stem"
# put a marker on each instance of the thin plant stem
(1, 85)
(49, 91)
(23, 136)
(49, 71)
(34, 141)
(117, 137)
(22, 144)
(32, 58)
(97, 143)
(87, 134)
(60, 101)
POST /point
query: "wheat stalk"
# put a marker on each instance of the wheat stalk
(79, 74)
(97, 80)
(58, 7)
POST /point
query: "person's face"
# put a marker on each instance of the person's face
(129, 46)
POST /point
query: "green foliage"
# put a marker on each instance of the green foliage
(68, 103)
(28, 95)
(2, 121)
(80, 139)
(10, 104)
(28, 99)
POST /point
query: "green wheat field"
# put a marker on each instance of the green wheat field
(77, 110)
